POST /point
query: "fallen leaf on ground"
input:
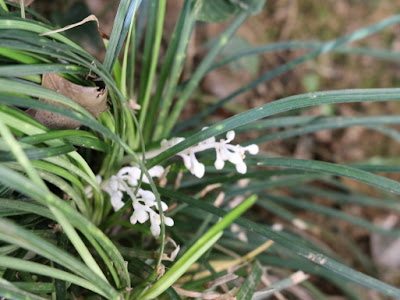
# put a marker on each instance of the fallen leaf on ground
(94, 99)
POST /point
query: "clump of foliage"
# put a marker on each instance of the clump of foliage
(76, 203)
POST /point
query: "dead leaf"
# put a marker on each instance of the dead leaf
(94, 99)
(26, 2)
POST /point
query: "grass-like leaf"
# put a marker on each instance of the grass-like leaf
(11, 233)
(269, 109)
(197, 250)
(314, 256)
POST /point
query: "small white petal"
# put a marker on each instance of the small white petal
(235, 158)
(148, 195)
(117, 204)
(219, 162)
(186, 160)
(133, 219)
(156, 171)
(155, 224)
(89, 191)
(140, 213)
(113, 184)
(253, 149)
(198, 170)
(155, 229)
(230, 135)
(241, 168)
(168, 221)
(164, 206)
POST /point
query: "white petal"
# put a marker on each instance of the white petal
(198, 170)
(235, 158)
(148, 195)
(241, 168)
(156, 171)
(113, 184)
(98, 179)
(186, 160)
(155, 229)
(140, 213)
(219, 164)
(164, 206)
(116, 196)
(253, 149)
(117, 204)
(168, 221)
(224, 153)
(133, 219)
(89, 191)
(230, 135)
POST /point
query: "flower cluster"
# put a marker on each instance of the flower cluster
(224, 152)
(144, 202)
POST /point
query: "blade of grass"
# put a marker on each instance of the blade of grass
(34, 176)
(14, 234)
(144, 97)
(122, 21)
(35, 287)
(23, 70)
(93, 124)
(172, 65)
(10, 291)
(331, 212)
(248, 288)
(310, 45)
(327, 123)
(23, 265)
(38, 153)
(197, 250)
(3, 5)
(36, 27)
(311, 255)
(337, 170)
(286, 104)
(166, 122)
(327, 47)
(346, 198)
(281, 285)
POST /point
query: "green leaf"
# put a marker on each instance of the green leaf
(38, 153)
(37, 268)
(311, 255)
(14, 234)
(197, 250)
(248, 288)
(283, 105)
(221, 10)
(10, 291)
(215, 11)
(123, 19)
(335, 169)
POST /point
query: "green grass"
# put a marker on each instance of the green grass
(60, 236)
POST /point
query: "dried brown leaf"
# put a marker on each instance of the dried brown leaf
(94, 99)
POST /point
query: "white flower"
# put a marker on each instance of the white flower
(114, 188)
(132, 174)
(223, 149)
(144, 204)
(89, 188)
